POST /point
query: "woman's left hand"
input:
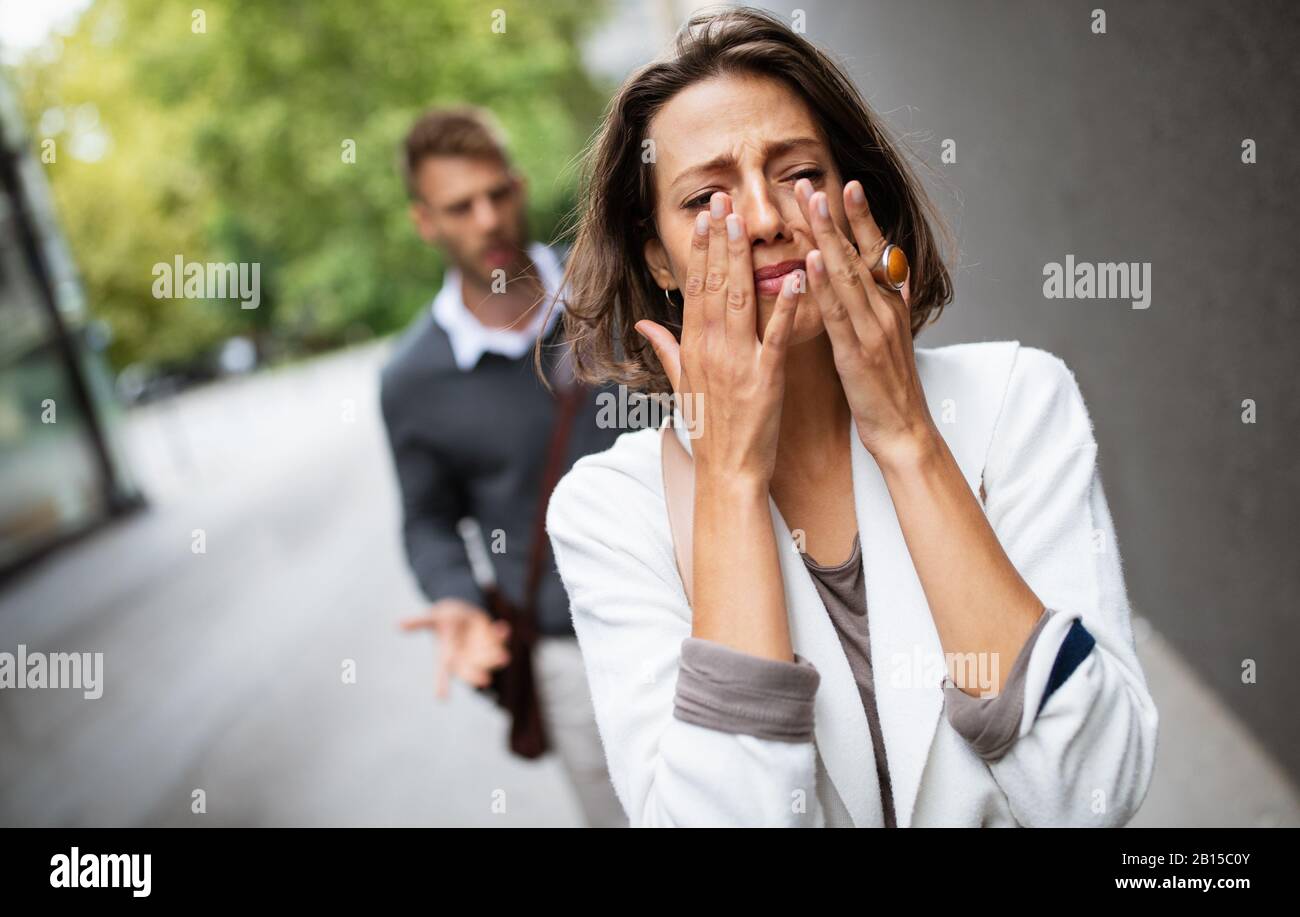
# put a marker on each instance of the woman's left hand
(869, 325)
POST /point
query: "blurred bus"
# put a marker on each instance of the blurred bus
(63, 470)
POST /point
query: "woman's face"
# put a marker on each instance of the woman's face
(753, 138)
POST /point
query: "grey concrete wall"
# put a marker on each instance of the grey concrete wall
(1127, 147)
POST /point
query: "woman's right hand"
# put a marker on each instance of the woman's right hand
(730, 387)
(728, 384)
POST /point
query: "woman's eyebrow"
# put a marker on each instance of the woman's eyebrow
(771, 150)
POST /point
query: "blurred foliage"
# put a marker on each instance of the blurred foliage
(227, 145)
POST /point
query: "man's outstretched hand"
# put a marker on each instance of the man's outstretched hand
(471, 644)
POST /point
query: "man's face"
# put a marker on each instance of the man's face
(473, 209)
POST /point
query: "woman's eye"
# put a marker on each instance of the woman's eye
(699, 203)
(811, 174)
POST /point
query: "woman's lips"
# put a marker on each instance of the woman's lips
(768, 280)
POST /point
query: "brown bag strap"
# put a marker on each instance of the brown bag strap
(679, 496)
(570, 396)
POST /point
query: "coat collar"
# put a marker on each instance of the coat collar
(964, 387)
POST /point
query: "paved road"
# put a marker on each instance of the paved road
(223, 669)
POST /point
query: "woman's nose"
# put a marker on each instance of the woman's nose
(760, 211)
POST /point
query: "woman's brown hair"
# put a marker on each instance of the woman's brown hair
(607, 285)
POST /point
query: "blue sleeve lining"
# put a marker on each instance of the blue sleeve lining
(1078, 643)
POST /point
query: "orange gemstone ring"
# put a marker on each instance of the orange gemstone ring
(893, 265)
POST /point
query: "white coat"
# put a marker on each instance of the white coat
(1011, 415)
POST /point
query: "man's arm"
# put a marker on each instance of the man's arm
(433, 502)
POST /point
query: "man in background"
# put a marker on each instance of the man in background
(469, 424)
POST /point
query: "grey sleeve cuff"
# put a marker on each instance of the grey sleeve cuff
(732, 691)
(992, 724)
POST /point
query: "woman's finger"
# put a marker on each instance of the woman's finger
(871, 245)
(776, 336)
(839, 327)
(715, 276)
(842, 263)
(867, 235)
(666, 349)
(740, 321)
(693, 293)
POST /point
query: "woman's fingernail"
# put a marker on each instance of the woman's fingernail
(815, 262)
(856, 193)
(733, 226)
(702, 224)
(822, 206)
(715, 206)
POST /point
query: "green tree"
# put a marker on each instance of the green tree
(224, 139)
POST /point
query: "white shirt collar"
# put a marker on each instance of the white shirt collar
(470, 338)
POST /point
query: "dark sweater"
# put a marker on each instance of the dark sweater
(474, 443)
